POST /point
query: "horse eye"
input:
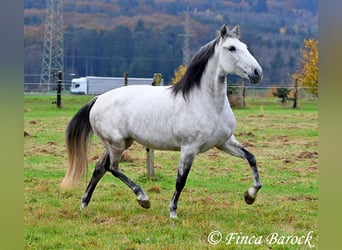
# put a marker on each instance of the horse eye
(231, 48)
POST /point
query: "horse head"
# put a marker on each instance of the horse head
(235, 58)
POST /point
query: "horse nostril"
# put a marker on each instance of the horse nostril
(256, 72)
(256, 76)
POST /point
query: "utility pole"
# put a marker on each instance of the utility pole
(53, 56)
(186, 48)
(186, 35)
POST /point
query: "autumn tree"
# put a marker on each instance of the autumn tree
(178, 73)
(307, 73)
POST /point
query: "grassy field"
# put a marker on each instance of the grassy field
(284, 141)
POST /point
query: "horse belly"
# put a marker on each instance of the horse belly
(157, 144)
(149, 120)
(216, 138)
(153, 131)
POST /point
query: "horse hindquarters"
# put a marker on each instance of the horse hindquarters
(109, 122)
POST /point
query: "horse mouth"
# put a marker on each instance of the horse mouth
(254, 79)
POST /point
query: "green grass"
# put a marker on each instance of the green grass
(284, 141)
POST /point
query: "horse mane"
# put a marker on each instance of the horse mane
(193, 74)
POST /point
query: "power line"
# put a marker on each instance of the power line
(52, 61)
(186, 35)
(186, 49)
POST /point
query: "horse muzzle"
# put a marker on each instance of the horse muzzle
(256, 75)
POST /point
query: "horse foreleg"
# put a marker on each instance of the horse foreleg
(100, 170)
(141, 196)
(233, 147)
(183, 172)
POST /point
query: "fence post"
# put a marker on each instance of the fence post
(126, 79)
(157, 77)
(243, 93)
(150, 162)
(295, 94)
(59, 89)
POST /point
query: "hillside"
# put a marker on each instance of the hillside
(110, 37)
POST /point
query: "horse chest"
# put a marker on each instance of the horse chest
(210, 129)
(221, 122)
(221, 130)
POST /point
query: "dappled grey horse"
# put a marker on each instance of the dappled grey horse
(191, 116)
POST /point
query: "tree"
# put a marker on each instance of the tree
(178, 74)
(282, 94)
(307, 72)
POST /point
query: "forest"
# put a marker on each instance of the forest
(142, 37)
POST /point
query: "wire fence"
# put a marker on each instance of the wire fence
(33, 86)
(251, 91)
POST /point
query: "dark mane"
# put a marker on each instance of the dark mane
(193, 74)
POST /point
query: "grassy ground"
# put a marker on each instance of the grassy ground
(285, 142)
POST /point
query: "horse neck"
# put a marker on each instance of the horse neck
(214, 85)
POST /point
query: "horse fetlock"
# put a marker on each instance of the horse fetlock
(84, 201)
(83, 205)
(253, 191)
(172, 210)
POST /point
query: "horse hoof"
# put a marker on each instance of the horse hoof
(249, 199)
(144, 203)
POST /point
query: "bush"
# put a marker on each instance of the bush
(234, 97)
(282, 94)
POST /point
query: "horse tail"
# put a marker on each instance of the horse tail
(78, 134)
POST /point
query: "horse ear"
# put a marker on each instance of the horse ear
(224, 30)
(236, 31)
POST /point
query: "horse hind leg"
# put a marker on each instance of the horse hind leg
(142, 198)
(100, 170)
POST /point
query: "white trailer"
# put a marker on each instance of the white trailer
(94, 85)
